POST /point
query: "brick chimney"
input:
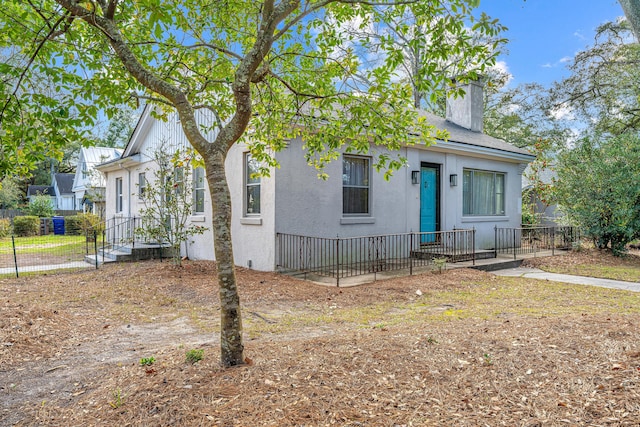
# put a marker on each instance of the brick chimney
(467, 110)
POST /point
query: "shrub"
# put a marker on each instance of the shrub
(83, 224)
(91, 222)
(26, 225)
(73, 225)
(5, 227)
(41, 206)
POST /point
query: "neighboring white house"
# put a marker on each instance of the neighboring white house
(469, 181)
(41, 190)
(88, 183)
(62, 184)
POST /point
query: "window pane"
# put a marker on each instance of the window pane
(355, 185)
(483, 193)
(198, 190)
(466, 192)
(252, 168)
(355, 200)
(253, 199)
(252, 186)
(355, 171)
(499, 194)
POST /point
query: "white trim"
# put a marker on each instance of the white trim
(357, 220)
(251, 221)
(497, 218)
(479, 151)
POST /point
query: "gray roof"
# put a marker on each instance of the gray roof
(65, 182)
(34, 190)
(97, 155)
(465, 136)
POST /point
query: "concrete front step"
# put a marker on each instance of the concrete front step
(137, 253)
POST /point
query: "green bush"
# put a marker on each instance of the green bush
(83, 224)
(26, 225)
(5, 227)
(73, 225)
(41, 206)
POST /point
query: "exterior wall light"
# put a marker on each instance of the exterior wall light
(415, 177)
(453, 179)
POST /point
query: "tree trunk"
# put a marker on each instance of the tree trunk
(231, 344)
(631, 10)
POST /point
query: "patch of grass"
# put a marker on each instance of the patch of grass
(194, 356)
(510, 296)
(625, 273)
(50, 245)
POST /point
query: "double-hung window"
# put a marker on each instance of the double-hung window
(118, 194)
(483, 193)
(252, 186)
(355, 185)
(198, 190)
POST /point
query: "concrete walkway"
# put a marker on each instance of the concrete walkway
(534, 273)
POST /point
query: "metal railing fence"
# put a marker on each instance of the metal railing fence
(530, 240)
(43, 253)
(340, 258)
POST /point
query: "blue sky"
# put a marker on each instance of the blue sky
(544, 34)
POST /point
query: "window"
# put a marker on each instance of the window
(142, 185)
(198, 190)
(483, 192)
(178, 180)
(118, 194)
(252, 186)
(355, 185)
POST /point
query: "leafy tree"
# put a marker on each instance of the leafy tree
(463, 52)
(41, 206)
(603, 90)
(280, 67)
(11, 194)
(168, 200)
(599, 189)
(120, 128)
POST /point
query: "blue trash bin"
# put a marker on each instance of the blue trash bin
(58, 225)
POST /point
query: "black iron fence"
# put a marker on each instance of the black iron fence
(340, 258)
(21, 255)
(530, 240)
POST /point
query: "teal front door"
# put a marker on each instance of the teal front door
(429, 203)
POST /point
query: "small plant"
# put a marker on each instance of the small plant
(118, 399)
(147, 361)
(488, 360)
(194, 355)
(440, 264)
(432, 340)
(576, 246)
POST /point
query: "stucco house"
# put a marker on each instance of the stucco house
(469, 181)
(88, 183)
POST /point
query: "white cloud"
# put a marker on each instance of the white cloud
(565, 59)
(564, 112)
(547, 65)
(579, 35)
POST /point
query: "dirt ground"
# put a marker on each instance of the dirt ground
(398, 352)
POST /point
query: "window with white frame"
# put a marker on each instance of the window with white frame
(119, 195)
(142, 185)
(483, 193)
(198, 190)
(178, 180)
(252, 186)
(356, 172)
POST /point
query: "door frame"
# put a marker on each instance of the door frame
(438, 168)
